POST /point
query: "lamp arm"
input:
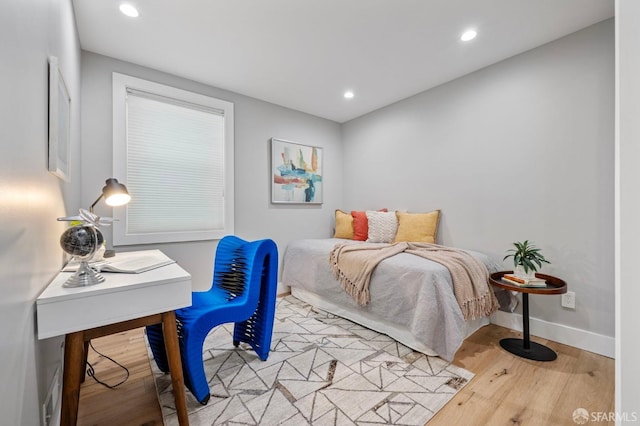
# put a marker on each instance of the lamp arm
(95, 202)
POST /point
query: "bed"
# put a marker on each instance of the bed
(412, 298)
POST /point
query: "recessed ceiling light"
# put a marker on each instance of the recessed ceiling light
(348, 94)
(468, 35)
(129, 10)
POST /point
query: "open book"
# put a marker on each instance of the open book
(133, 262)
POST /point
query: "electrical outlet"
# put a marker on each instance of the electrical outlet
(569, 300)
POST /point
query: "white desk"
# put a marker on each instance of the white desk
(122, 302)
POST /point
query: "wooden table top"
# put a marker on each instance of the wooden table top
(554, 284)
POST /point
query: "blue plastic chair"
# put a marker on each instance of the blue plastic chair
(243, 291)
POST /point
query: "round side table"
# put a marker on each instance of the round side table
(525, 347)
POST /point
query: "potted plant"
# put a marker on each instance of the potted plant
(526, 259)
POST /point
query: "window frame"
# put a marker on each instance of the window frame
(121, 83)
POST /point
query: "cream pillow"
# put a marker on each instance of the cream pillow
(344, 225)
(382, 226)
(417, 227)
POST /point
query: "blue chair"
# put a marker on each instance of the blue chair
(243, 291)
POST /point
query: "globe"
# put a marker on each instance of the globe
(81, 241)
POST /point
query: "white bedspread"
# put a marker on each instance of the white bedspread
(412, 298)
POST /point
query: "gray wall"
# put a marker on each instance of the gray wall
(30, 197)
(628, 207)
(519, 150)
(255, 123)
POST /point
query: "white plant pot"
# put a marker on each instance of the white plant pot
(519, 272)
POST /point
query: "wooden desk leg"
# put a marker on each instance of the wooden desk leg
(170, 333)
(73, 368)
(84, 363)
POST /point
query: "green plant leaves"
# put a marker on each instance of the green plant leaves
(527, 256)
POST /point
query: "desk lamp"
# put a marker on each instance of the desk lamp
(114, 193)
(83, 240)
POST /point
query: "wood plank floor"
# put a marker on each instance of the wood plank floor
(507, 390)
(135, 402)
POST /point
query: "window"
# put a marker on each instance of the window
(174, 151)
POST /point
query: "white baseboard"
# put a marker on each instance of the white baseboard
(581, 339)
(282, 289)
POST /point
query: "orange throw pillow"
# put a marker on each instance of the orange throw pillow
(361, 224)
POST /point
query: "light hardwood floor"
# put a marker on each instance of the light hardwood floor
(507, 390)
(135, 402)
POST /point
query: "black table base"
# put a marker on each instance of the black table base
(525, 347)
(536, 351)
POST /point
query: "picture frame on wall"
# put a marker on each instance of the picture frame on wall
(296, 173)
(59, 123)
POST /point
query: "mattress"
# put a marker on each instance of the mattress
(412, 298)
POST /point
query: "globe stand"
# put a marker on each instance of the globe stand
(81, 242)
(84, 276)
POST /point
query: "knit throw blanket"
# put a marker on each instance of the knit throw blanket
(353, 265)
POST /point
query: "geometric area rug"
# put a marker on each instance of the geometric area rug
(322, 370)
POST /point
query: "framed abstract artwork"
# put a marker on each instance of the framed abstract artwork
(59, 122)
(296, 173)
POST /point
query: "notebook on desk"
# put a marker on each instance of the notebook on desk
(127, 262)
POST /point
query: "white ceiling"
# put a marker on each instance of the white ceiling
(304, 54)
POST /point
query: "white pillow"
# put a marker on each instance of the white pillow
(382, 226)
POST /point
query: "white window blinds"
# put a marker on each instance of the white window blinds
(176, 171)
